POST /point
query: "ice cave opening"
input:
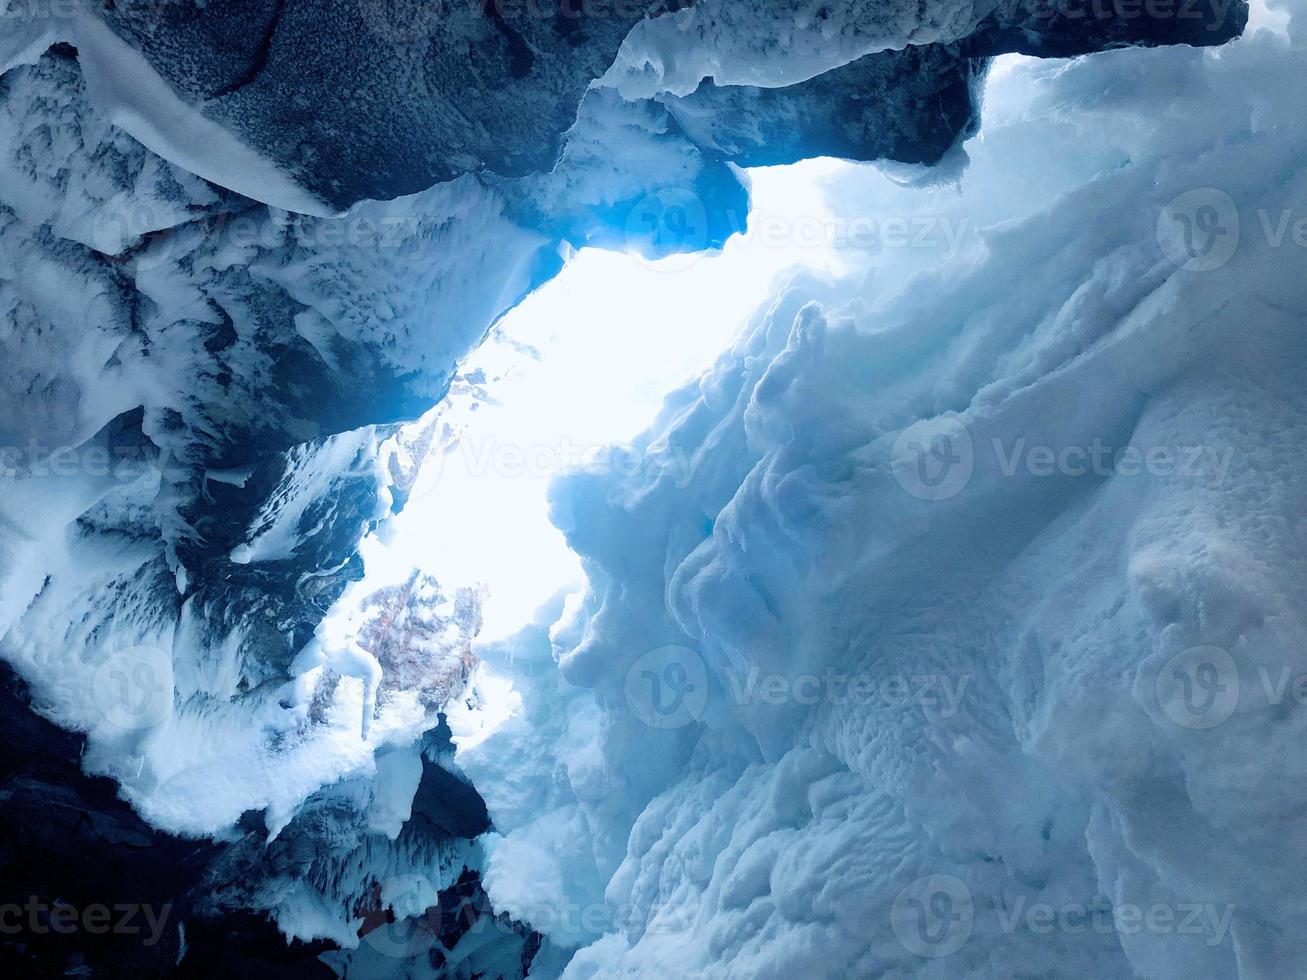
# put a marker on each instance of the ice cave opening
(614, 329)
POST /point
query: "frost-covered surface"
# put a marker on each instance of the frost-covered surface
(179, 514)
(421, 637)
(1071, 742)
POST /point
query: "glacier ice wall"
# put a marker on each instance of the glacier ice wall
(950, 624)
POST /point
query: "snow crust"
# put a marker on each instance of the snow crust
(775, 43)
(823, 710)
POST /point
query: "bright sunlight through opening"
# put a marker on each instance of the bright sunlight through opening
(612, 330)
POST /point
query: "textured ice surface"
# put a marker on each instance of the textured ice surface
(967, 647)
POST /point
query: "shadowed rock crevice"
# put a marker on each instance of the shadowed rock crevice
(261, 55)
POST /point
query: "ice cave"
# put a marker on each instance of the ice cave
(586, 489)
